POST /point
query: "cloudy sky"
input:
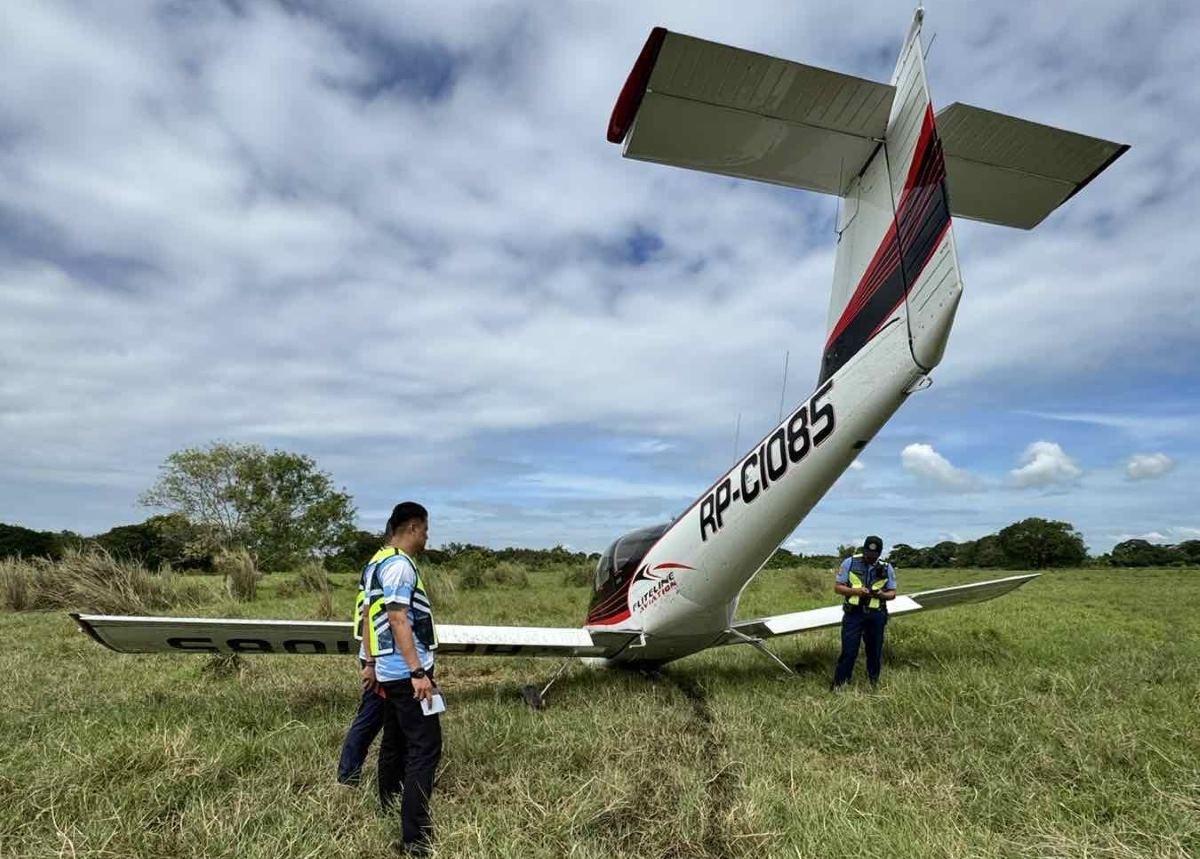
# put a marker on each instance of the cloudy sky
(391, 235)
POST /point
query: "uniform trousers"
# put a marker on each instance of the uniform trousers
(408, 760)
(859, 623)
(368, 722)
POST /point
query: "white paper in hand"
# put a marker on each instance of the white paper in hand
(434, 706)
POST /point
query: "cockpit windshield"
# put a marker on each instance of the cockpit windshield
(622, 558)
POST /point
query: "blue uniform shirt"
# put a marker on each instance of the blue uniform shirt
(398, 579)
(868, 574)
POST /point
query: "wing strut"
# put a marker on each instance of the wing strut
(757, 644)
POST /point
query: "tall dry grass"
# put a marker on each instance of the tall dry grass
(91, 580)
(16, 586)
(312, 578)
(239, 574)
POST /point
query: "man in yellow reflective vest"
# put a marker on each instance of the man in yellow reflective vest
(398, 646)
(866, 585)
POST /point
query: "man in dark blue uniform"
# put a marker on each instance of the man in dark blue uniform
(866, 585)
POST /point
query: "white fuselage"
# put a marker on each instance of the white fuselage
(896, 288)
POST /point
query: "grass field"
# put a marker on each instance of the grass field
(1061, 720)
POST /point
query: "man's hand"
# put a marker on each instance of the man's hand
(370, 681)
(422, 688)
(862, 592)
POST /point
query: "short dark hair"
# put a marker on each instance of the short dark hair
(403, 513)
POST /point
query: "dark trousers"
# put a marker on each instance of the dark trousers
(408, 760)
(858, 624)
(368, 722)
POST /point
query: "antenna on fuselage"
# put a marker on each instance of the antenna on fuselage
(737, 434)
(787, 356)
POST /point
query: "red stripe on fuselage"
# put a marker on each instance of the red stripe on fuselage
(925, 173)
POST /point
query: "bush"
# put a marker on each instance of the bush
(510, 574)
(470, 575)
(238, 572)
(580, 575)
(312, 578)
(813, 583)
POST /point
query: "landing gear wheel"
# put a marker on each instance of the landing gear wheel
(536, 698)
(533, 697)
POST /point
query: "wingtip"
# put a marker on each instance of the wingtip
(86, 627)
(634, 90)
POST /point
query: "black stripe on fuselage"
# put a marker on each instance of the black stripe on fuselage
(919, 225)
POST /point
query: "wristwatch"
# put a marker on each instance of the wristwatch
(418, 674)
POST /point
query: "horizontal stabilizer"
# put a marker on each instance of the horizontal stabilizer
(822, 618)
(693, 103)
(1014, 172)
(129, 634)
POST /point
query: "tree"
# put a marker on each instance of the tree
(169, 539)
(1188, 552)
(1040, 543)
(1141, 553)
(276, 504)
(988, 552)
(941, 555)
(354, 550)
(904, 555)
(17, 540)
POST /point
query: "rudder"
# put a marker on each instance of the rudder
(896, 260)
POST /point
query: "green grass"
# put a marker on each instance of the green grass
(1060, 720)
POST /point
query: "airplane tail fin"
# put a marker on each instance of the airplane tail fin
(896, 261)
(901, 170)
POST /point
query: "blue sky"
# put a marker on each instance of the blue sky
(392, 236)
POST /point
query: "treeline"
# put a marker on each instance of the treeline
(284, 512)
(160, 540)
(1039, 544)
(172, 540)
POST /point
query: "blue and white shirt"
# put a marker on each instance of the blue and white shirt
(400, 583)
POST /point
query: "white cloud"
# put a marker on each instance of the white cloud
(927, 464)
(857, 465)
(247, 224)
(1138, 425)
(1045, 463)
(1146, 466)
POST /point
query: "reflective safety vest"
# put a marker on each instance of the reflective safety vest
(370, 600)
(879, 584)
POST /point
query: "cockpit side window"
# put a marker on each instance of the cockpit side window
(604, 567)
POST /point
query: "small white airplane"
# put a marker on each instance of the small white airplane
(901, 171)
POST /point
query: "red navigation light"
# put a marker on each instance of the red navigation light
(631, 95)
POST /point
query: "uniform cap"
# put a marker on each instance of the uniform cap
(872, 544)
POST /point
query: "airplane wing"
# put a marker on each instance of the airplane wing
(693, 103)
(131, 634)
(828, 616)
(1009, 171)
